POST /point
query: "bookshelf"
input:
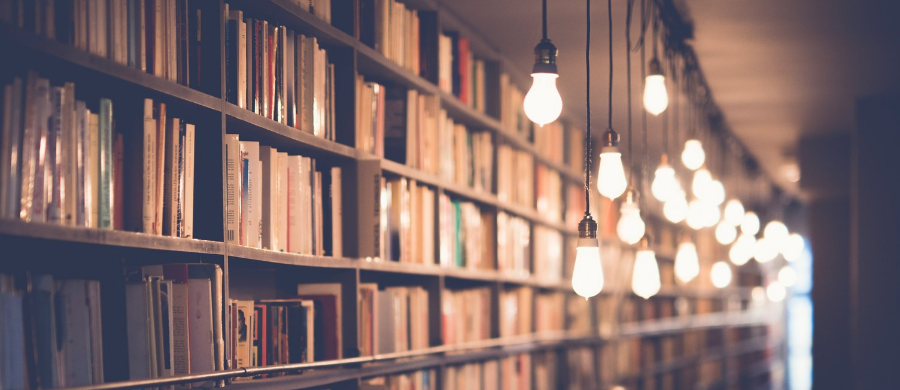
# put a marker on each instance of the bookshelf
(255, 273)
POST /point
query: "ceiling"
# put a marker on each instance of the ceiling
(779, 70)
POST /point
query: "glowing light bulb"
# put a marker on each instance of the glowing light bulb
(693, 155)
(765, 250)
(630, 227)
(687, 263)
(725, 233)
(711, 213)
(587, 277)
(720, 274)
(700, 184)
(715, 192)
(695, 215)
(787, 276)
(611, 176)
(645, 277)
(776, 291)
(778, 233)
(734, 212)
(542, 103)
(656, 98)
(793, 247)
(676, 208)
(750, 224)
(664, 184)
(742, 250)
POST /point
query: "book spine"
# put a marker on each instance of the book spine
(118, 182)
(160, 170)
(42, 151)
(12, 149)
(188, 203)
(232, 188)
(54, 157)
(106, 166)
(148, 170)
(69, 163)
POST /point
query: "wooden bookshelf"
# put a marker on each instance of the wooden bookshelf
(216, 118)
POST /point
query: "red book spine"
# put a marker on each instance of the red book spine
(463, 70)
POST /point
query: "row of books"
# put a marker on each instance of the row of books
(173, 319)
(370, 114)
(466, 315)
(467, 157)
(549, 310)
(512, 112)
(66, 162)
(459, 72)
(513, 244)
(279, 74)
(546, 370)
(392, 319)
(416, 380)
(516, 311)
(393, 30)
(51, 332)
(160, 37)
(548, 188)
(548, 248)
(411, 129)
(408, 221)
(515, 176)
(475, 376)
(281, 202)
(466, 235)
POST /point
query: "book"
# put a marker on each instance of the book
(232, 188)
(327, 298)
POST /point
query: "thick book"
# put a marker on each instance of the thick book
(170, 162)
(243, 327)
(10, 166)
(76, 336)
(148, 151)
(268, 164)
(187, 212)
(232, 188)
(162, 142)
(105, 131)
(179, 301)
(328, 317)
(137, 314)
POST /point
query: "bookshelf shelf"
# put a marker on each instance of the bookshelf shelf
(704, 321)
(295, 259)
(114, 238)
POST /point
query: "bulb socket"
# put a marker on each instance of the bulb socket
(631, 196)
(664, 159)
(645, 242)
(655, 67)
(587, 228)
(610, 139)
(545, 57)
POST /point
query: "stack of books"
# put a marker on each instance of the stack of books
(512, 113)
(392, 29)
(392, 319)
(411, 129)
(281, 202)
(467, 157)
(513, 244)
(549, 312)
(515, 176)
(515, 372)
(466, 235)
(466, 315)
(515, 311)
(548, 185)
(370, 111)
(279, 74)
(174, 321)
(459, 72)
(479, 375)
(66, 161)
(408, 221)
(51, 333)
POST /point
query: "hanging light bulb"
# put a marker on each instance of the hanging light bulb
(630, 227)
(725, 233)
(693, 155)
(587, 277)
(776, 291)
(778, 233)
(687, 263)
(750, 224)
(742, 250)
(664, 184)
(656, 98)
(734, 212)
(711, 213)
(793, 247)
(787, 276)
(676, 208)
(645, 277)
(720, 274)
(701, 182)
(696, 218)
(542, 102)
(611, 181)
(715, 192)
(765, 250)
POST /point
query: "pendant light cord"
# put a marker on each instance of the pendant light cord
(666, 116)
(629, 8)
(609, 16)
(643, 112)
(587, 137)
(677, 113)
(545, 18)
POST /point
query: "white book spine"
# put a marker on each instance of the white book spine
(148, 189)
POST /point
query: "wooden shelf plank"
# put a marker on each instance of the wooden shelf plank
(295, 259)
(72, 234)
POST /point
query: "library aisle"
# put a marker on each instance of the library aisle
(373, 195)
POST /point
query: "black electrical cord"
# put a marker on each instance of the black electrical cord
(545, 18)
(587, 137)
(609, 15)
(628, 11)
